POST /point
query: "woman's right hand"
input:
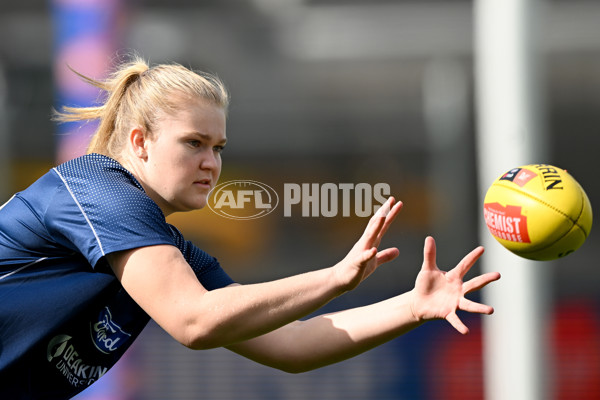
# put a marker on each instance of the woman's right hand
(364, 257)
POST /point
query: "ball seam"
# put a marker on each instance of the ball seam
(581, 192)
(547, 204)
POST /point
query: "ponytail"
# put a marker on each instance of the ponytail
(134, 93)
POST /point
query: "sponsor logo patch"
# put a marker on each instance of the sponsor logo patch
(107, 336)
(518, 176)
(506, 223)
(62, 354)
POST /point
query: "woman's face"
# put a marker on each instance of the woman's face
(183, 157)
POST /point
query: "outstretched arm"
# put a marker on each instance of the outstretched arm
(330, 338)
(159, 279)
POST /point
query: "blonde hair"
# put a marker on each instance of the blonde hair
(135, 93)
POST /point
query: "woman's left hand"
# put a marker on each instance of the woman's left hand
(439, 294)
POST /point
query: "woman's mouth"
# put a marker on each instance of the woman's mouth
(203, 183)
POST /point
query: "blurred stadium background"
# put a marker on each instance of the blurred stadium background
(324, 91)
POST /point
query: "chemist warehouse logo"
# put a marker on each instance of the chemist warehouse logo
(248, 199)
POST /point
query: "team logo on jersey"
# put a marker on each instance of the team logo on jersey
(107, 336)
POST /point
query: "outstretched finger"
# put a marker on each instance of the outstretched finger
(473, 307)
(429, 254)
(377, 223)
(480, 281)
(453, 319)
(390, 216)
(468, 261)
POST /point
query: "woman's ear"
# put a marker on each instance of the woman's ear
(138, 141)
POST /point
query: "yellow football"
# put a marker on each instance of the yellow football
(538, 211)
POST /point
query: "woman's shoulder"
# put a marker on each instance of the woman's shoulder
(95, 169)
(100, 183)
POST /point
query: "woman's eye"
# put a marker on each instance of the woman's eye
(219, 149)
